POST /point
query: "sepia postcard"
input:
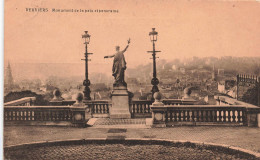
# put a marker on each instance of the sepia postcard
(155, 79)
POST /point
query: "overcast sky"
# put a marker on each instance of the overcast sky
(186, 29)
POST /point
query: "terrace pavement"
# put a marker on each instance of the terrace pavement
(237, 136)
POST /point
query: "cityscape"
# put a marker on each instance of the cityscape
(206, 76)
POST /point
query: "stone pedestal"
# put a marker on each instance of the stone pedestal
(120, 103)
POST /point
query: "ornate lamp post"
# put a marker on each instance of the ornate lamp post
(155, 81)
(86, 82)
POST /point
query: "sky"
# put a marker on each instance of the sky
(185, 29)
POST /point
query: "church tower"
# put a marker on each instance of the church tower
(213, 74)
(8, 79)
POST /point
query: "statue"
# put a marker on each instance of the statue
(119, 65)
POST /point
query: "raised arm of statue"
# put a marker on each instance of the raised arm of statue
(127, 45)
(111, 56)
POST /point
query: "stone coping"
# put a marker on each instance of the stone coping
(147, 141)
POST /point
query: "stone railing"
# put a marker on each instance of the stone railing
(142, 108)
(205, 114)
(99, 108)
(44, 115)
(26, 101)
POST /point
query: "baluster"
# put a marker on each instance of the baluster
(233, 116)
(65, 114)
(188, 115)
(62, 118)
(215, 115)
(41, 115)
(219, 116)
(28, 115)
(100, 106)
(5, 114)
(210, 119)
(14, 115)
(10, 116)
(244, 118)
(149, 108)
(96, 108)
(31, 115)
(145, 108)
(36, 115)
(193, 116)
(53, 115)
(206, 116)
(108, 108)
(170, 116)
(225, 116)
(197, 116)
(21, 115)
(222, 115)
(32, 118)
(183, 115)
(202, 116)
(229, 116)
(56, 115)
(104, 108)
(180, 115)
(133, 109)
(137, 108)
(18, 115)
(175, 115)
(93, 109)
(46, 115)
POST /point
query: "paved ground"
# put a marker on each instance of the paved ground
(121, 151)
(243, 137)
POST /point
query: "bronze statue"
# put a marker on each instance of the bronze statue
(119, 65)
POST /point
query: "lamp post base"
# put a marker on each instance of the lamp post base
(86, 94)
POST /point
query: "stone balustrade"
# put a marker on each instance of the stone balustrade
(142, 108)
(44, 115)
(168, 115)
(99, 108)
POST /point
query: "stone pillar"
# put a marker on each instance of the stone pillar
(78, 116)
(80, 112)
(158, 111)
(120, 103)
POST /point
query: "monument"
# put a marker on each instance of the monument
(120, 95)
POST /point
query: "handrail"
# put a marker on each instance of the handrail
(20, 101)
